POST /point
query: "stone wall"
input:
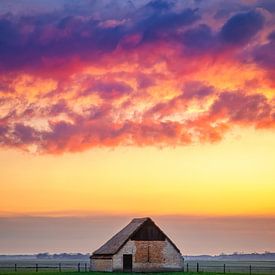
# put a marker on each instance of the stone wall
(128, 248)
(102, 265)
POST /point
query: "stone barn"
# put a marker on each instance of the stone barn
(141, 246)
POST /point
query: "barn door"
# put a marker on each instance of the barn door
(127, 262)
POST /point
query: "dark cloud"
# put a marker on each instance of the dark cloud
(164, 24)
(160, 4)
(49, 41)
(58, 108)
(225, 9)
(31, 41)
(8, 34)
(24, 134)
(101, 132)
(264, 55)
(200, 40)
(269, 5)
(241, 27)
(9, 41)
(271, 36)
(109, 89)
(3, 131)
(239, 107)
(145, 81)
(196, 90)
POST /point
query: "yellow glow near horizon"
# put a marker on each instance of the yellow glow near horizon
(233, 177)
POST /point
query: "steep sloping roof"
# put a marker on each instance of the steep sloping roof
(112, 246)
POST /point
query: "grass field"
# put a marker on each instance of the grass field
(71, 267)
(50, 272)
(113, 273)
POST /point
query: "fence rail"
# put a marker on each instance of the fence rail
(80, 267)
(230, 268)
(198, 267)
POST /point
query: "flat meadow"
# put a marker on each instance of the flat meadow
(113, 273)
(74, 267)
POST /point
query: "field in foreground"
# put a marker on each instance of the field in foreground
(73, 267)
(115, 273)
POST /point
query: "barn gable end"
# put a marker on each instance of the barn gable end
(148, 232)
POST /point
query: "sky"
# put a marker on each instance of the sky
(111, 110)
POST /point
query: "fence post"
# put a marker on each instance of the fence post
(187, 267)
(198, 269)
(224, 268)
(59, 267)
(36, 267)
(15, 267)
(78, 267)
(85, 267)
(250, 269)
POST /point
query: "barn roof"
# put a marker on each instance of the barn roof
(112, 246)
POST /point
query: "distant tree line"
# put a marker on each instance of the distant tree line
(63, 256)
(46, 255)
(80, 256)
(235, 256)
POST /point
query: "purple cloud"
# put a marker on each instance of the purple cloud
(241, 27)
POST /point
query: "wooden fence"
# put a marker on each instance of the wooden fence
(189, 267)
(79, 267)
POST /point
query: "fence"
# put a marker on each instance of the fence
(36, 267)
(199, 267)
(231, 267)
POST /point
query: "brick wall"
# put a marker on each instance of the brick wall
(149, 256)
(102, 264)
(149, 252)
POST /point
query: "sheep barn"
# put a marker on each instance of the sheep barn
(141, 246)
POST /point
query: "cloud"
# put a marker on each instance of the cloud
(111, 73)
(30, 42)
(145, 81)
(241, 27)
(24, 134)
(199, 39)
(58, 108)
(160, 5)
(264, 54)
(3, 130)
(160, 25)
(164, 124)
(241, 108)
(271, 36)
(33, 41)
(109, 89)
(266, 4)
(196, 90)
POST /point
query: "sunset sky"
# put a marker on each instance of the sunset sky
(113, 109)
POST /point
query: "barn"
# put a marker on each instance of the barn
(141, 246)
